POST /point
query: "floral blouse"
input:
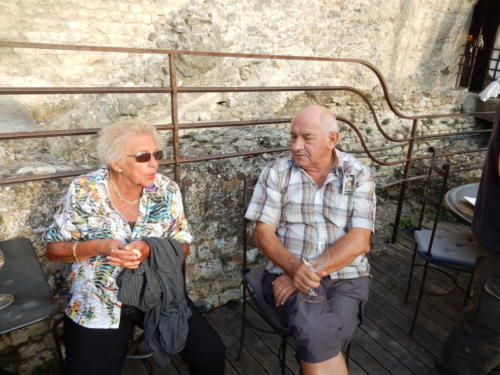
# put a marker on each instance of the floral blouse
(86, 213)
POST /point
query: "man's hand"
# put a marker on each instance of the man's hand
(282, 289)
(305, 278)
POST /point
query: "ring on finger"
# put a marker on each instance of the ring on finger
(283, 291)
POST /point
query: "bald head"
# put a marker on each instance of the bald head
(320, 116)
(314, 134)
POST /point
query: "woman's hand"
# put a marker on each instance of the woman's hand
(129, 256)
(67, 252)
(282, 289)
(142, 249)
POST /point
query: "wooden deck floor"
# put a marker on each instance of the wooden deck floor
(381, 345)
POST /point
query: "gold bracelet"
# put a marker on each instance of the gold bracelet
(73, 249)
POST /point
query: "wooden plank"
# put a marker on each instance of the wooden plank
(230, 370)
(367, 363)
(354, 369)
(429, 317)
(378, 300)
(393, 346)
(382, 356)
(246, 364)
(255, 346)
(383, 320)
(273, 341)
(447, 314)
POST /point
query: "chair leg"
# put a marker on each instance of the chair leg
(283, 354)
(419, 298)
(469, 286)
(148, 365)
(243, 318)
(411, 273)
(55, 337)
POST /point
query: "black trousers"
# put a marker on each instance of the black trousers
(103, 351)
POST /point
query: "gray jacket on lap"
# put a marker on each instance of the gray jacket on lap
(157, 288)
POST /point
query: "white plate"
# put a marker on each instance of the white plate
(471, 200)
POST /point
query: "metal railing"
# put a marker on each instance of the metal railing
(468, 65)
(174, 90)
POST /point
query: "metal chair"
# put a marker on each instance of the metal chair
(22, 276)
(452, 250)
(253, 295)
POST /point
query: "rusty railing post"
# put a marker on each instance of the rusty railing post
(175, 117)
(402, 191)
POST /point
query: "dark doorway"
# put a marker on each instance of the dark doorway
(481, 59)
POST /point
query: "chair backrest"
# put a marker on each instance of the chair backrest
(248, 185)
(433, 193)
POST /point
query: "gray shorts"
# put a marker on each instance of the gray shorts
(322, 330)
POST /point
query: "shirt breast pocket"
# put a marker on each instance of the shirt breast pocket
(338, 210)
(294, 204)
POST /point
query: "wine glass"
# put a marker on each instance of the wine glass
(5, 299)
(315, 262)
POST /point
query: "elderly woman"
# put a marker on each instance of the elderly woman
(103, 226)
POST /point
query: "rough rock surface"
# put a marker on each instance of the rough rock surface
(416, 44)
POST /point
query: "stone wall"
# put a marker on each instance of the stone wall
(415, 43)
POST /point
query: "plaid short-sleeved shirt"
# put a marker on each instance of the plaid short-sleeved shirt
(310, 219)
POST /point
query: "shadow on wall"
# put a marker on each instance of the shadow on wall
(434, 69)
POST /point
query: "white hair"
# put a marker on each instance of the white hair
(111, 142)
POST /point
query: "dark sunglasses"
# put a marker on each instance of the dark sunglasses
(144, 157)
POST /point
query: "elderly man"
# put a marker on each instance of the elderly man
(322, 200)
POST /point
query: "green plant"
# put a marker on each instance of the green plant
(310, 94)
(455, 122)
(386, 121)
(343, 128)
(62, 155)
(445, 71)
(427, 121)
(459, 109)
(369, 130)
(408, 222)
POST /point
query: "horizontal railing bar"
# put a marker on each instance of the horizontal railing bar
(448, 135)
(91, 131)
(365, 63)
(48, 133)
(166, 162)
(421, 177)
(82, 90)
(72, 173)
(221, 124)
(446, 154)
(234, 154)
(161, 51)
